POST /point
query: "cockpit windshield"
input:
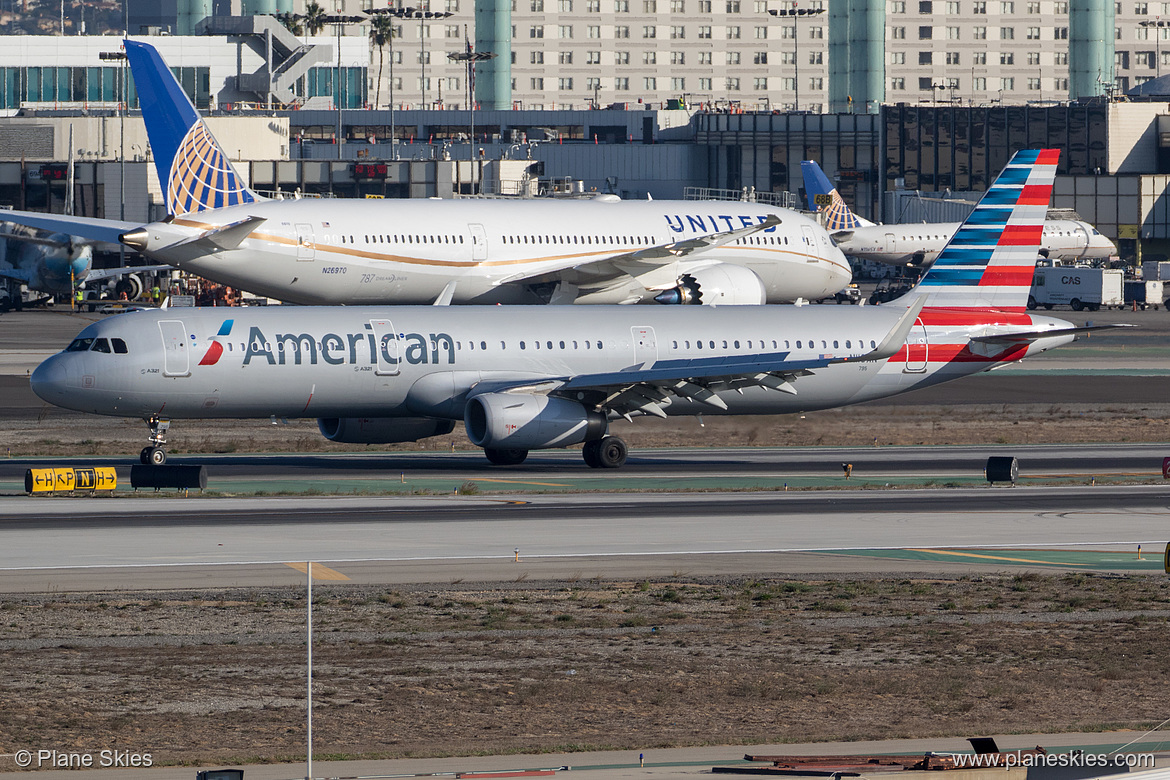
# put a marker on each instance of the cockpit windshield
(115, 345)
(79, 345)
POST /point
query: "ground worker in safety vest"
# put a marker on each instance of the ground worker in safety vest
(156, 294)
(78, 297)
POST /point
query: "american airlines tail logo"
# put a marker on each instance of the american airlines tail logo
(201, 176)
(216, 349)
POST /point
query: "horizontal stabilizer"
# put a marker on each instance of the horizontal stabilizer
(224, 237)
(1027, 337)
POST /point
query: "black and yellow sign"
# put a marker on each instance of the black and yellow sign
(45, 481)
(823, 199)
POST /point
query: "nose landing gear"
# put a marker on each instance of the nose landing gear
(155, 455)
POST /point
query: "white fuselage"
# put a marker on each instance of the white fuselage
(325, 251)
(918, 244)
(326, 362)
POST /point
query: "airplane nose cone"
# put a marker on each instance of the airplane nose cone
(50, 380)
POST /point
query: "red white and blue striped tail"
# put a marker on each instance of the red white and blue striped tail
(989, 261)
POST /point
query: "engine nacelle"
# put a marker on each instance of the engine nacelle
(132, 285)
(529, 422)
(381, 430)
(724, 284)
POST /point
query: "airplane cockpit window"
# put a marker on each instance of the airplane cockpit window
(120, 346)
(101, 345)
(79, 345)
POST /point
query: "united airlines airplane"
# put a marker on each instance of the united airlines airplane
(518, 383)
(918, 243)
(602, 250)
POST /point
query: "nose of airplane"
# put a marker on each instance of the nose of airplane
(50, 380)
(841, 271)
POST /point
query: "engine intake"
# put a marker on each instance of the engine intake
(529, 422)
(381, 430)
(723, 284)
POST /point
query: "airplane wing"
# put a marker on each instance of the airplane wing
(24, 277)
(98, 275)
(654, 267)
(85, 227)
(646, 389)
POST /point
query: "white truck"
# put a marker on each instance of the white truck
(1076, 287)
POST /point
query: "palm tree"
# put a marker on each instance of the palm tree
(291, 22)
(381, 33)
(314, 18)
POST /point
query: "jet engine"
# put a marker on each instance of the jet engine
(381, 430)
(529, 422)
(723, 284)
(132, 285)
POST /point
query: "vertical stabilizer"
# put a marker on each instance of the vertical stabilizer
(989, 261)
(193, 170)
(838, 216)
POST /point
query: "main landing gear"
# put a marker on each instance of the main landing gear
(155, 455)
(607, 453)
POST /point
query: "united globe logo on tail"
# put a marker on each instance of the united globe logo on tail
(194, 171)
(202, 177)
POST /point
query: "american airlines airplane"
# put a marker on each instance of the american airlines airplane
(518, 383)
(918, 244)
(602, 250)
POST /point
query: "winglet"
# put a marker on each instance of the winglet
(195, 173)
(896, 338)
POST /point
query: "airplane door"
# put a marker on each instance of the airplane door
(176, 350)
(478, 242)
(917, 349)
(645, 346)
(304, 242)
(891, 243)
(810, 240)
(1081, 240)
(386, 340)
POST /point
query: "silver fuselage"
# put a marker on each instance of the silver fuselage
(325, 361)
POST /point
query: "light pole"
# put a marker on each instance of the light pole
(470, 56)
(120, 57)
(1158, 25)
(795, 13)
(340, 21)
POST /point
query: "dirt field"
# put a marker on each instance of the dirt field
(57, 432)
(528, 667)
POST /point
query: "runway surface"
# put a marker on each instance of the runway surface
(137, 543)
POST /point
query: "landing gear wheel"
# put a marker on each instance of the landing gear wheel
(612, 452)
(591, 452)
(152, 456)
(505, 457)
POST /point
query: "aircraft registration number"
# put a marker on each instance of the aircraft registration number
(334, 269)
